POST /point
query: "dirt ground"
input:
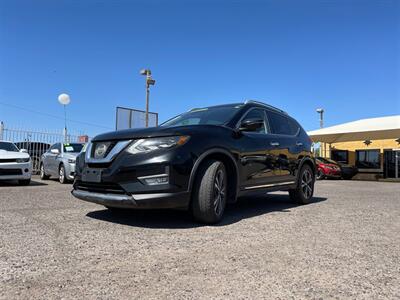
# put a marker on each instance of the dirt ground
(346, 244)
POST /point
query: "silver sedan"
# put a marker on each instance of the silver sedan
(59, 161)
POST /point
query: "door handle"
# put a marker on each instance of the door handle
(275, 144)
(299, 144)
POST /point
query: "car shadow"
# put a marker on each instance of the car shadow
(245, 208)
(9, 183)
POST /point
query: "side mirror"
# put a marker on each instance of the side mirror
(251, 125)
(55, 151)
(23, 151)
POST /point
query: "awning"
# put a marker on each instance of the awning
(361, 130)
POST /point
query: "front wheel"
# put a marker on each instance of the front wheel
(61, 175)
(43, 175)
(304, 191)
(209, 193)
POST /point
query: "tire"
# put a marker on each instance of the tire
(43, 175)
(304, 191)
(24, 182)
(61, 175)
(209, 193)
(320, 175)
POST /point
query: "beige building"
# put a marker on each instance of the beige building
(373, 145)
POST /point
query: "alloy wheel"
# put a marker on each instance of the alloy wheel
(307, 184)
(219, 191)
(61, 175)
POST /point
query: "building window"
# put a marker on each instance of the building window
(368, 159)
(341, 156)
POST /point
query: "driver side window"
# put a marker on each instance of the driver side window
(256, 114)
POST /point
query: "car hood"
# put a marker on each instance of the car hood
(71, 155)
(129, 134)
(12, 154)
(329, 165)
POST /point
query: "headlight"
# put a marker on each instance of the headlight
(71, 160)
(151, 144)
(23, 160)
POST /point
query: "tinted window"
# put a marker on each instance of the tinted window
(216, 115)
(256, 114)
(281, 124)
(8, 147)
(368, 159)
(340, 156)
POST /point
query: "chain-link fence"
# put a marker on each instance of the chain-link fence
(37, 142)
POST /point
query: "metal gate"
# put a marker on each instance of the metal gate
(37, 142)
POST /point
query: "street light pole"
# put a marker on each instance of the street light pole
(321, 117)
(149, 81)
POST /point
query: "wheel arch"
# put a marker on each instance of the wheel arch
(230, 164)
(308, 161)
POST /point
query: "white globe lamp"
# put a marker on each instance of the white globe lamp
(64, 99)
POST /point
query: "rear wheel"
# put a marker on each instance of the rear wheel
(61, 175)
(43, 175)
(304, 191)
(209, 193)
(320, 175)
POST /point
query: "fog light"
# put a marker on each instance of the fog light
(155, 179)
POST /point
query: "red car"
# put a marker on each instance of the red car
(327, 168)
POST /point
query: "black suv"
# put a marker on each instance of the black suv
(199, 160)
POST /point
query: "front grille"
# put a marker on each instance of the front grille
(7, 160)
(10, 172)
(108, 150)
(104, 188)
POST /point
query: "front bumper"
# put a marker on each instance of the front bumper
(332, 173)
(139, 201)
(15, 171)
(70, 171)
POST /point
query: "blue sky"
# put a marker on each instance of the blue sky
(297, 55)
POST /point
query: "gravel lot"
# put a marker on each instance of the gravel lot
(344, 245)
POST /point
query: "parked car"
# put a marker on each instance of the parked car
(15, 164)
(199, 160)
(328, 168)
(35, 150)
(348, 171)
(59, 161)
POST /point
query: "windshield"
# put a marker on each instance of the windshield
(217, 115)
(326, 160)
(8, 147)
(69, 148)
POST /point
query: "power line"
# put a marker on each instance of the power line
(53, 116)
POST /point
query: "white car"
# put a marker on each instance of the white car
(14, 164)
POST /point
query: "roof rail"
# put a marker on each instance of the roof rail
(266, 105)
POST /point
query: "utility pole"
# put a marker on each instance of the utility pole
(149, 81)
(321, 117)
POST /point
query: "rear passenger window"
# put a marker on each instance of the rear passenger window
(281, 124)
